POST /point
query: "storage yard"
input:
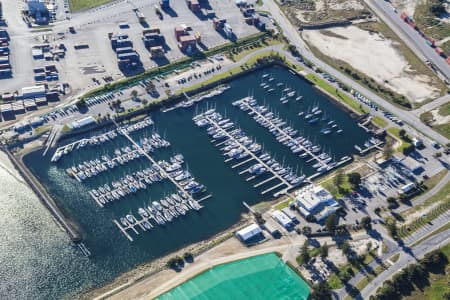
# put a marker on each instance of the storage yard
(154, 35)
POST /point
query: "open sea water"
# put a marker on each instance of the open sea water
(37, 258)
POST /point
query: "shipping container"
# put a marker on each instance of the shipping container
(156, 52)
(4, 59)
(124, 50)
(152, 29)
(132, 56)
(179, 31)
(39, 77)
(81, 46)
(124, 43)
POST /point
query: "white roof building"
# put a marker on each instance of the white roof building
(82, 122)
(249, 232)
(282, 219)
(311, 196)
(33, 91)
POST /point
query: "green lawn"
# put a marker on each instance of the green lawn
(379, 121)
(335, 282)
(344, 189)
(239, 52)
(444, 129)
(395, 131)
(395, 257)
(77, 5)
(283, 204)
(444, 110)
(340, 96)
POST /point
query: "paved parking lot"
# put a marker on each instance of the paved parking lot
(92, 27)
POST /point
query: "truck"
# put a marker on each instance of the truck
(164, 4)
(156, 52)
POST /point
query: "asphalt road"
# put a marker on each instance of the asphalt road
(294, 38)
(405, 259)
(411, 37)
(431, 105)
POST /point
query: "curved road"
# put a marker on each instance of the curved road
(294, 38)
(405, 259)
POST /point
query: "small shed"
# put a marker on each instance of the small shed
(249, 232)
(282, 219)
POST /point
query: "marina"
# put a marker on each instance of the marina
(239, 146)
(112, 253)
(287, 135)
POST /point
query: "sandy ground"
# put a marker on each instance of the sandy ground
(375, 56)
(439, 119)
(408, 6)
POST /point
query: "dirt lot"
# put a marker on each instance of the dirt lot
(357, 47)
(408, 6)
(322, 11)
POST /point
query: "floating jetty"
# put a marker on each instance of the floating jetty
(157, 213)
(240, 148)
(286, 135)
(92, 168)
(188, 190)
(100, 139)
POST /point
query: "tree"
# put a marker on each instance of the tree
(446, 295)
(366, 222)
(331, 222)
(320, 291)
(346, 247)
(306, 230)
(344, 276)
(354, 179)
(377, 211)
(134, 93)
(369, 246)
(324, 250)
(402, 133)
(391, 226)
(304, 256)
(392, 202)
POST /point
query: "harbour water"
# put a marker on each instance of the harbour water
(66, 271)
